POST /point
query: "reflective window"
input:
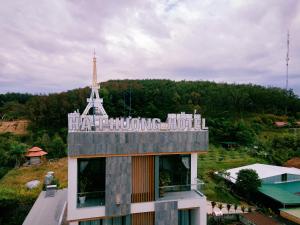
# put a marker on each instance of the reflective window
(91, 182)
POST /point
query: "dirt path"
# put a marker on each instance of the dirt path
(16, 127)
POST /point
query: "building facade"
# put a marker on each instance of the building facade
(134, 171)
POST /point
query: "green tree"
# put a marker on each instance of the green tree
(57, 147)
(45, 141)
(247, 182)
(17, 152)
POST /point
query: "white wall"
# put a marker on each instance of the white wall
(75, 213)
(194, 163)
(277, 179)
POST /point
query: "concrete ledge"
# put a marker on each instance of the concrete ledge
(118, 143)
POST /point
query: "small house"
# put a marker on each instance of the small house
(35, 155)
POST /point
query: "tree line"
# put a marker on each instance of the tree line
(234, 112)
(155, 98)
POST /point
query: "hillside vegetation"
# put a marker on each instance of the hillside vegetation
(243, 114)
(237, 113)
(15, 199)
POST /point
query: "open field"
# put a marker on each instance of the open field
(13, 183)
(218, 159)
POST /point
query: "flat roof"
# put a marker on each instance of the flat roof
(285, 193)
(47, 210)
(292, 211)
(263, 171)
(292, 214)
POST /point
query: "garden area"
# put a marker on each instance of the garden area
(220, 159)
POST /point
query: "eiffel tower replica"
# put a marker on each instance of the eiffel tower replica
(94, 101)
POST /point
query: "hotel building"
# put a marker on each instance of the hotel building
(134, 171)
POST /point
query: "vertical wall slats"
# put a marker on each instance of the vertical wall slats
(142, 179)
(146, 218)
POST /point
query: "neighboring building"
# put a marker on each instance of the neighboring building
(280, 124)
(269, 174)
(255, 218)
(35, 155)
(280, 185)
(134, 170)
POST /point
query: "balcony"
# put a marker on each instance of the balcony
(89, 199)
(181, 191)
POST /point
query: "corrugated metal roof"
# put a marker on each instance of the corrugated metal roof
(284, 193)
(263, 171)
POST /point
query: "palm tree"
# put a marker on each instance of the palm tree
(243, 208)
(220, 206)
(228, 206)
(235, 207)
(213, 204)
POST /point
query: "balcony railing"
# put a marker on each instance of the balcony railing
(197, 186)
(88, 199)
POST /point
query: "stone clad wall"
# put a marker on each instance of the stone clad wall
(102, 143)
(166, 213)
(118, 182)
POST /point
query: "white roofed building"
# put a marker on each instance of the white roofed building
(269, 174)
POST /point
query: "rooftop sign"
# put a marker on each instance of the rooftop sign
(175, 122)
(99, 120)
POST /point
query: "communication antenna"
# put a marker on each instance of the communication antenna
(287, 61)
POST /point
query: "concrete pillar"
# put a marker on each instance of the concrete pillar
(72, 187)
(194, 163)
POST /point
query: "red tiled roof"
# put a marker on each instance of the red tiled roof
(260, 219)
(35, 149)
(280, 124)
(36, 154)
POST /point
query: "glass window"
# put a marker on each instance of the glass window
(184, 217)
(175, 172)
(284, 177)
(122, 220)
(91, 182)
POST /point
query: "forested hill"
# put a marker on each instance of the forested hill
(235, 113)
(154, 98)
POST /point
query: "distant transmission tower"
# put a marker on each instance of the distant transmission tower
(287, 61)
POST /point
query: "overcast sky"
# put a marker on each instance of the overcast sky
(47, 45)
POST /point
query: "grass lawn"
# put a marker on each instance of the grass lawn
(13, 183)
(218, 159)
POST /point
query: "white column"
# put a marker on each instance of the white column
(203, 211)
(194, 161)
(72, 187)
(198, 216)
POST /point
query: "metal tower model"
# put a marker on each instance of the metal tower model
(94, 101)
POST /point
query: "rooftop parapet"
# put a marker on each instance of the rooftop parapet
(96, 135)
(175, 122)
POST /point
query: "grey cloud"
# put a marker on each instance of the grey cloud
(47, 46)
